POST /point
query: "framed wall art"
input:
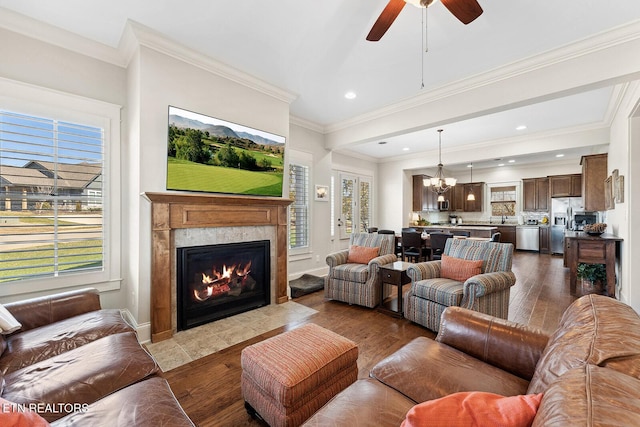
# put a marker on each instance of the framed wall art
(618, 186)
(609, 202)
(322, 193)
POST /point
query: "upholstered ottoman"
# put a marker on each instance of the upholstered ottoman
(286, 378)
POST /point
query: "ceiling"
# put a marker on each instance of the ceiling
(318, 51)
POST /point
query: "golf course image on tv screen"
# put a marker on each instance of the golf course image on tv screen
(216, 156)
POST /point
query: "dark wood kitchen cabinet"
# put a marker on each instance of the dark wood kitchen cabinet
(536, 194)
(473, 205)
(507, 234)
(544, 240)
(423, 198)
(594, 172)
(456, 198)
(565, 185)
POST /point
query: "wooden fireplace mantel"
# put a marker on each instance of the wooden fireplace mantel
(171, 211)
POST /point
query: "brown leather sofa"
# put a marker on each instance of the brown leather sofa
(77, 364)
(588, 369)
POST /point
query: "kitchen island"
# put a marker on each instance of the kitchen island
(583, 248)
(475, 230)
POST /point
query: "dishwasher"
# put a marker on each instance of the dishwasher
(528, 237)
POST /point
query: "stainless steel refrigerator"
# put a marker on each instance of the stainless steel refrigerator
(562, 212)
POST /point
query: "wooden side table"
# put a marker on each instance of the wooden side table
(393, 274)
(583, 248)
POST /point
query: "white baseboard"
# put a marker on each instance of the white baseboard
(143, 330)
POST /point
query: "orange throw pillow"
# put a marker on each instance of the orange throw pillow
(13, 415)
(459, 269)
(362, 254)
(469, 409)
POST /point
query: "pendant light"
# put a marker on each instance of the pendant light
(471, 196)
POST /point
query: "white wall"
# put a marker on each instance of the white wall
(312, 261)
(624, 155)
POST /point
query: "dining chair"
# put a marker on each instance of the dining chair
(413, 247)
(495, 237)
(438, 241)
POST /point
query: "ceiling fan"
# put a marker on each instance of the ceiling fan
(465, 10)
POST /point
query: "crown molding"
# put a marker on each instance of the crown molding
(307, 124)
(56, 36)
(617, 36)
(133, 36)
(152, 39)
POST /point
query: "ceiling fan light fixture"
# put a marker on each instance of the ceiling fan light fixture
(420, 3)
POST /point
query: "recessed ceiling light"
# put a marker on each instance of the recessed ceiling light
(382, 142)
(521, 127)
(512, 161)
(559, 155)
(350, 95)
(501, 164)
(405, 149)
(469, 165)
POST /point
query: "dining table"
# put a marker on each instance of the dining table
(426, 240)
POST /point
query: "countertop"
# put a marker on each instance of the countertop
(460, 226)
(584, 236)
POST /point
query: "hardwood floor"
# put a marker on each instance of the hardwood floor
(209, 388)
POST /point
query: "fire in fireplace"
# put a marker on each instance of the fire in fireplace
(217, 281)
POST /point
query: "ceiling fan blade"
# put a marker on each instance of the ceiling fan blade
(465, 10)
(386, 18)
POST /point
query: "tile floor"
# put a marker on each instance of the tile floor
(192, 344)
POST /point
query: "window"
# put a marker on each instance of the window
(299, 209)
(51, 223)
(59, 191)
(355, 204)
(503, 201)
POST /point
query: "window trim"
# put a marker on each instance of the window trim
(304, 159)
(38, 101)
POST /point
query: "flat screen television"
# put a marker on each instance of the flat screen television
(211, 155)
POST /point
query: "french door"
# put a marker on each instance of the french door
(355, 204)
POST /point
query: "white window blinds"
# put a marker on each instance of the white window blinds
(51, 197)
(299, 209)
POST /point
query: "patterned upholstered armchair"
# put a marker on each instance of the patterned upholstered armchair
(486, 292)
(357, 283)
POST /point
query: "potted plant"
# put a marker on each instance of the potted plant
(594, 278)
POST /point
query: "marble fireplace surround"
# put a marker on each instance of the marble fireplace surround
(177, 213)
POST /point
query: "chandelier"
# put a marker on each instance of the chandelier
(439, 184)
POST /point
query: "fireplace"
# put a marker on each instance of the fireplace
(221, 280)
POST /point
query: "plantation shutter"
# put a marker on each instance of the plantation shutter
(299, 209)
(51, 197)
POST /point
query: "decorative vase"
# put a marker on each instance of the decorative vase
(591, 287)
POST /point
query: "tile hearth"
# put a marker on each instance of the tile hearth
(192, 344)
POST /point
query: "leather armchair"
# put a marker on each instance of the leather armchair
(487, 292)
(358, 283)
